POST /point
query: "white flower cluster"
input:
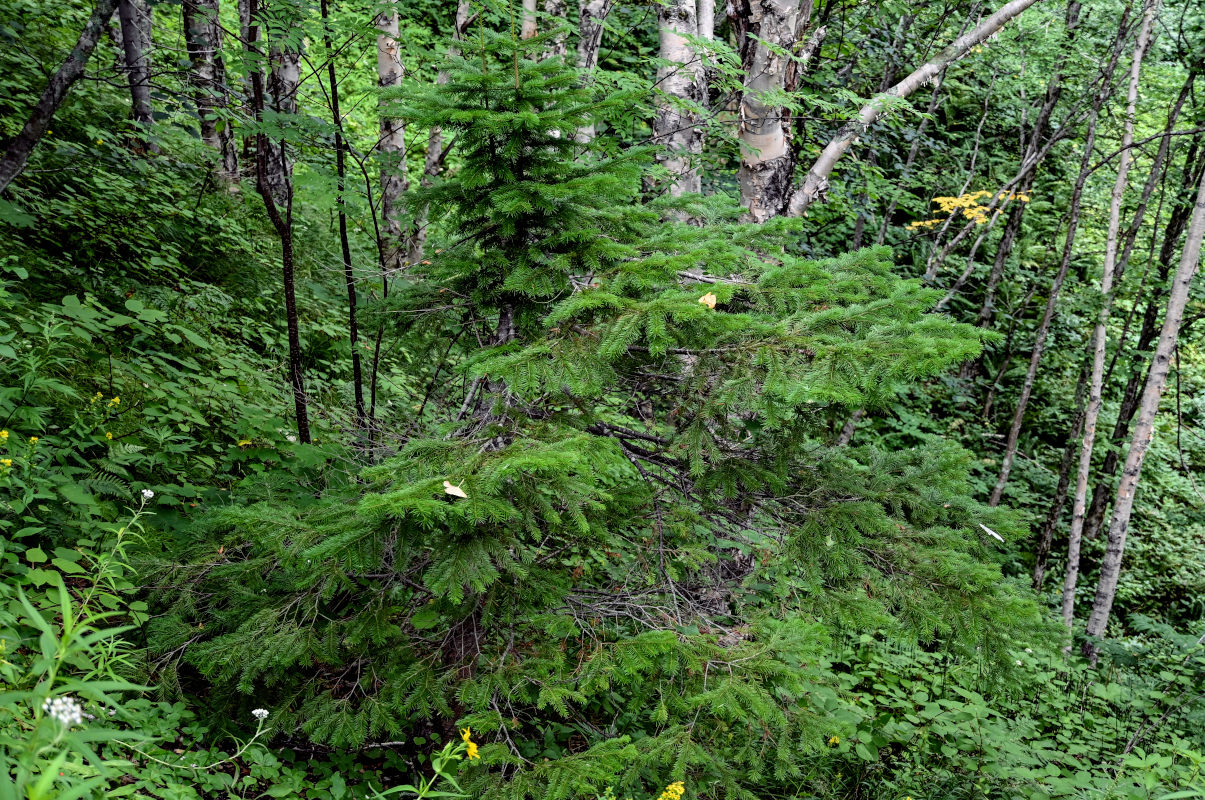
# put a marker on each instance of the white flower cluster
(260, 713)
(147, 494)
(65, 709)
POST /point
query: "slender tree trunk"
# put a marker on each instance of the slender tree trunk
(1030, 149)
(677, 126)
(17, 153)
(1144, 425)
(284, 55)
(1077, 196)
(1175, 227)
(529, 28)
(1060, 496)
(1003, 250)
(203, 38)
(136, 21)
(705, 10)
(592, 17)
(252, 63)
(767, 163)
(816, 183)
(913, 152)
(434, 161)
(558, 46)
(392, 140)
(1099, 341)
(349, 278)
(264, 172)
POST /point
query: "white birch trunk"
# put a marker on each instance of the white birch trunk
(392, 141)
(283, 83)
(1099, 341)
(556, 11)
(767, 164)
(1144, 424)
(529, 28)
(677, 124)
(135, 16)
(203, 38)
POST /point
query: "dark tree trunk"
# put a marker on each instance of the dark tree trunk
(265, 174)
(17, 153)
(1055, 514)
(349, 278)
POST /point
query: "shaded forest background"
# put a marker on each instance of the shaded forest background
(796, 398)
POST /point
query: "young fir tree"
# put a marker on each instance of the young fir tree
(618, 554)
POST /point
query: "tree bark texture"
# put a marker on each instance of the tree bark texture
(767, 163)
(1144, 424)
(1099, 340)
(529, 27)
(18, 151)
(392, 141)
(558, 46)
(677, 124)
(135, 16)
(1175, 227)
(816, 182)
(203, 38)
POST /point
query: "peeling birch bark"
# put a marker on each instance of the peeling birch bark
(677, 123)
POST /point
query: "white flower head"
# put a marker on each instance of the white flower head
(1028, 649)
(1019, 662)
(291, 437)
(260, 713)
(147, 494)
(65, 709)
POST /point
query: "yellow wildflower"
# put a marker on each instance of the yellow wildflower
(244, 442)
(674, 791)
(833, 741)
(108, 434)
(8, 462)
(708, 300)
(116, 401)
(33, 440)
(471, 745)
(3, 436)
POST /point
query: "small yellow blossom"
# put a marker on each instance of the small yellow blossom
(33, 440)
(116, 401)
(471, 745)
(244, 442)
(674, 791)
(708, 300)
(3, 436)
(833, 741)
(108, 434)
(7, 462)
